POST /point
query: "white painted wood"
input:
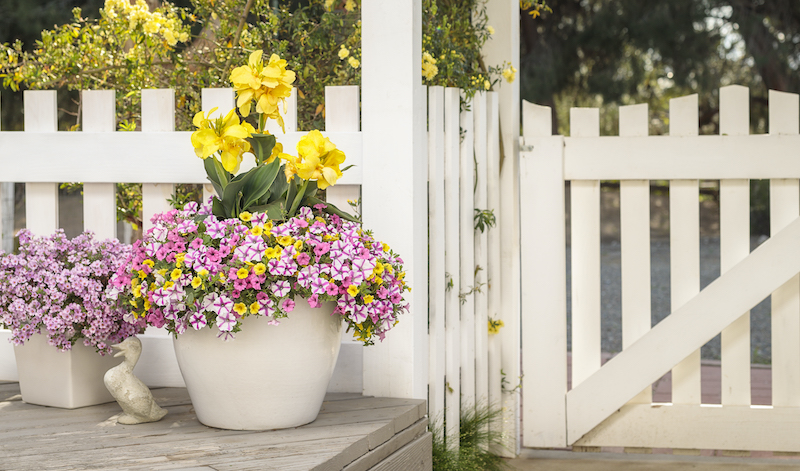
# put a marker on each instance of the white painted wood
(289, 113)
(41, 199)
(493, 264)
(685, 426)
(635, 243)
(535, 122)
(135, 155)
(544, 288)
(684, 331)
(585, 231)
(687, 158)
(784, 119)
(393, 105)
(544, 308)
(342, 114)
(467, 236)
(6, 213)
(684, 242)
(436, 257)
(503, 47)
(99, 199)
(158, 115)
(480, 201)
(452, 261)
(734, 119)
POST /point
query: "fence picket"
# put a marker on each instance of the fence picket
(158, 115)
(41, 199)
(493, 264)
(481, 256)
(342, 115)
(734, 215)
(467, 236)
(784, 208)
(543, 282)
(99, 199)
(452, 261)
(634, 214)
(436, 278)
(684, 234)
(585, 232)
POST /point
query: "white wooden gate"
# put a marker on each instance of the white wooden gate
(612, 405)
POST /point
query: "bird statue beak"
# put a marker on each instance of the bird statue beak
(121, 351)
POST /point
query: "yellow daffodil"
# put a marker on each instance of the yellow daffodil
(266, 84)
(224, 135)
(319, 159)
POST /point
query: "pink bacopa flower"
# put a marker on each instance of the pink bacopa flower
(195, 270)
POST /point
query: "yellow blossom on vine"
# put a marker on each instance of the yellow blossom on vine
(495, 325)
(343, 52)
(510, 73)
(224, 135)
(329, 4)
(429, 68)
(266, 84)
(349, 5)
(319, 159)
(354, 63)
(490, 30)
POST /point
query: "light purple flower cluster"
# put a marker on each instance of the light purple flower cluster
(57, 287)
(193, 270)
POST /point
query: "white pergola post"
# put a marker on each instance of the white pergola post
(503, 46)
(394, 197)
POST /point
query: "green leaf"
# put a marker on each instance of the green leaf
(274, 210)
(329, 208)
(262, 146)
(218, 209)
(231, 195)
(259, 182)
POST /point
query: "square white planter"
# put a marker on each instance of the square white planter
(72, 379)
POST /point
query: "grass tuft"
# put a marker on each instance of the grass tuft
(477, 440)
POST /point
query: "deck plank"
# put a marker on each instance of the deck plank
(348, 428)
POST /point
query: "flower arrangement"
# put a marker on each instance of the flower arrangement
(59, 287)
(266, 239)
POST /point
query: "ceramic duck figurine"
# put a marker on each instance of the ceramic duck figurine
(136, 400)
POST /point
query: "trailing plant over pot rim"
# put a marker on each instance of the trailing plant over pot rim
(59, 287)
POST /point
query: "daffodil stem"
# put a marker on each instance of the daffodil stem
(298, 198)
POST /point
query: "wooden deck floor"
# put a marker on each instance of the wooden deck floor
(351, 433)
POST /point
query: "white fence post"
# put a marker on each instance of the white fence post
(436, 268)
(684, 243)
(467, 278)
(99, 199)
(41, 199)
(784, 208)
(503, 47)
(634, 209)
(494, 264)
(158, 115)
(544, 284)
(393, 110)
(6, 213)
(452, 260)
(585, 235)
(734, 222)
(481, 259)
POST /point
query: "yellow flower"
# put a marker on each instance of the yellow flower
(350, 5)
(494, 326)
(255, 307)
(149, 263)
(490, 30)
(343, 52)
(240, 308)
(510, 73)
(196, 282)
(203, 272)
(298, 245)
(256, 230)
(147, 304)
(224, 135)
(134, 282)
(290, 167)
(368, 298)
(273, 252)
(319, 159)
(259, 268)
(352, 290)
(169, 284)
(277, 150)
(378, 268)
(429, 69)
(245, 216)
(386, 247)
(137, 292)
(329, 4)
(354, 63)
(266, 84)
(142, 274)
(176, 273)
(285, 240)
(242, 273)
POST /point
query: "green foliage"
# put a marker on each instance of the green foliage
(484, 219)
(477, 440)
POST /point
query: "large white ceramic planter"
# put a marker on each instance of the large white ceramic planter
(269, 376)
(71, 379)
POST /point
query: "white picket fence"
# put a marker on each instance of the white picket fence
(612, 405)
(464, 172)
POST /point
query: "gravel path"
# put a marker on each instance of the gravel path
(660, 297)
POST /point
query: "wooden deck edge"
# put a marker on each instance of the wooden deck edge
(409, 450)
